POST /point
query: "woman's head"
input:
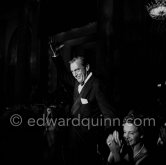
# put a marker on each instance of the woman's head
(133, 129)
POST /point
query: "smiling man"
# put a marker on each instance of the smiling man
(80, 70)
(84, 134)
(89, 105)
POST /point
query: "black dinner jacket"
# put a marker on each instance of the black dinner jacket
(96, 103)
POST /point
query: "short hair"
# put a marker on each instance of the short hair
(132, 117)
(83, 60)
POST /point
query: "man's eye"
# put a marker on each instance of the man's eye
(131, 133)
(78, 70)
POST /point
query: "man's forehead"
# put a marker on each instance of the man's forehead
(76, 63)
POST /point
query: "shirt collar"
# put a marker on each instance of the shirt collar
(80, 86)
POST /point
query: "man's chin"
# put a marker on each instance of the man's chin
(79, 81)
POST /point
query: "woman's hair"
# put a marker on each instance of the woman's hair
(136, 119)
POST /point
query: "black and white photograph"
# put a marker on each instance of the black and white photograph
(83, 82)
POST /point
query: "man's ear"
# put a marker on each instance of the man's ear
(87, 67)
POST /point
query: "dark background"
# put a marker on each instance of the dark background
(126, 46)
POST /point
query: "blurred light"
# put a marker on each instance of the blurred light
(157, 10)
(159, 85)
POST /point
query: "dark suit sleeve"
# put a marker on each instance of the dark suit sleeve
(106, 109)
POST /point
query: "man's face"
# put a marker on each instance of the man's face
(131, 134)
(78, 71)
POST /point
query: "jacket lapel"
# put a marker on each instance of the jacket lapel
(87, 87)
(76, 94)
(84, 92)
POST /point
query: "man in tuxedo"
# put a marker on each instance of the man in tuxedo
(88, 109)
(87, 131)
